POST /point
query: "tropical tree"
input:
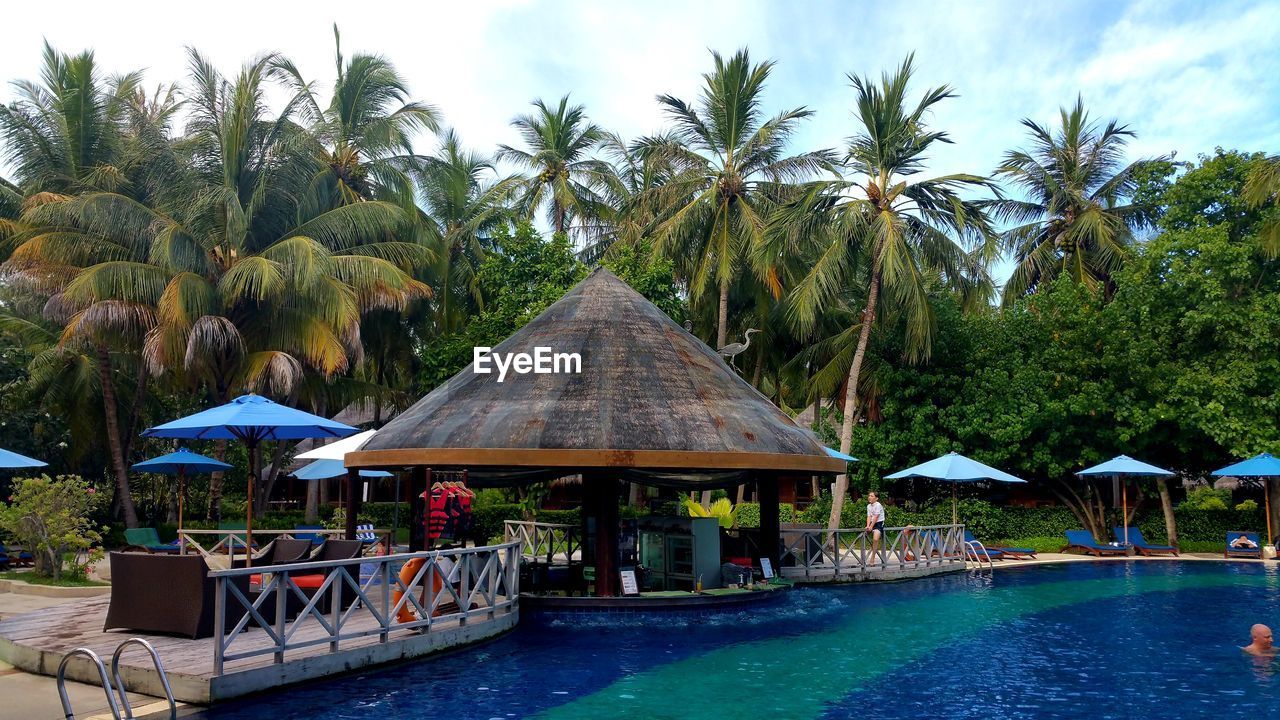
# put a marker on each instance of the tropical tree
(1262, 190)
(65, 135)
(1075, 217)
(228, 280)
(464, 203)
(365, 132)
(629, 211)
(558, 144)
(734, 168)
(887, 231)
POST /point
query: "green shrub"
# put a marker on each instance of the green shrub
(1247, 506)
(51, 517)
(1204, 497)
(749, 514)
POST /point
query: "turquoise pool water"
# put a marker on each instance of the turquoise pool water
(1122, 640)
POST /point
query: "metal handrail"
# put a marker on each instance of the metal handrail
(486, 584)
(973, 547)
(164, 677)
(102, 673)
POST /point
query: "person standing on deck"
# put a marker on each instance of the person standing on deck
(875, 520)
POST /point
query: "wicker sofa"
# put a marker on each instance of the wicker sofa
(166, 594)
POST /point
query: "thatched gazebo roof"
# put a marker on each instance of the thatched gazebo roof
(651, 400)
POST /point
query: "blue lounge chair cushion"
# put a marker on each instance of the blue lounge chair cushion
(1137, 540)
(1083, 538)
(315, 538)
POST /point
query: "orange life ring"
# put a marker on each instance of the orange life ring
(407, 573)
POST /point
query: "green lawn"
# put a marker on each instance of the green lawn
(1054, 544)
(29, 577)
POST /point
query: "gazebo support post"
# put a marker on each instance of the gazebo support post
(417, 485)
(770, 520)
(353, 501)
(600, 501)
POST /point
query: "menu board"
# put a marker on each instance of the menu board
(629, 586)
(766, 568)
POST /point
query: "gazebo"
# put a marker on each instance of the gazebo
(652, 404)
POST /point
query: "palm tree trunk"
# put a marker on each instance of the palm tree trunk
(214, 513)
(114, 440)
(722, 321)
(313, 501)
(851, 395)
(1166, 505)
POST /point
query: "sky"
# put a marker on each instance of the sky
(1184, 76)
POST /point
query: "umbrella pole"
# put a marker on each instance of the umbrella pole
(1124, 509)
(1266, 502)
(182, 491)
(954, 515)
(248, 523)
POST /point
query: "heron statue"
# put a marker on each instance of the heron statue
(732, 350)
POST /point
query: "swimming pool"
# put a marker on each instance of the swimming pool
(1116, 639)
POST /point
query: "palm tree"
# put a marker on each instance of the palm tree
(231, 281)
(559, 142)
(888, 233)
(464, 203)
(65, 135)
(717, 209)
(365, 133)
(1262, 188)
(629, 212)
(1074, 219)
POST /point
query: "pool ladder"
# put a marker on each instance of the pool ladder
(978, 551)
(118, 686)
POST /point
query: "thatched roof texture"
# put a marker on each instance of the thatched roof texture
(650, 395)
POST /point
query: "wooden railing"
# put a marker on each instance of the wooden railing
(447, 589)
(820, 553)
(548, 542)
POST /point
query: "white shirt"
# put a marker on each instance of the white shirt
(875, 512)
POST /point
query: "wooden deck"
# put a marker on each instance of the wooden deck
(36, 642)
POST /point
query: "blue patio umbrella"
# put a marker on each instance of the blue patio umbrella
(325, 469)
(1120, 467)
(180, 463)
(832, 452)
(9, 459)
(955, 468)
(1264, 467)
(251, 419)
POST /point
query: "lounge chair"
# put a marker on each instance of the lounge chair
(330, 551)
(1083, 540)
(279, 552)
(149, 540)
(366, 535)
(16, 557)
(1243, 552)
(1141, 545)
(1011, 552)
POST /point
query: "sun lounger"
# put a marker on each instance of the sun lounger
(148, 539)
(1083, 540)
(1243, 552)
(1141, 545)
(365, 534)
(1011, 552)
(17, 557)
